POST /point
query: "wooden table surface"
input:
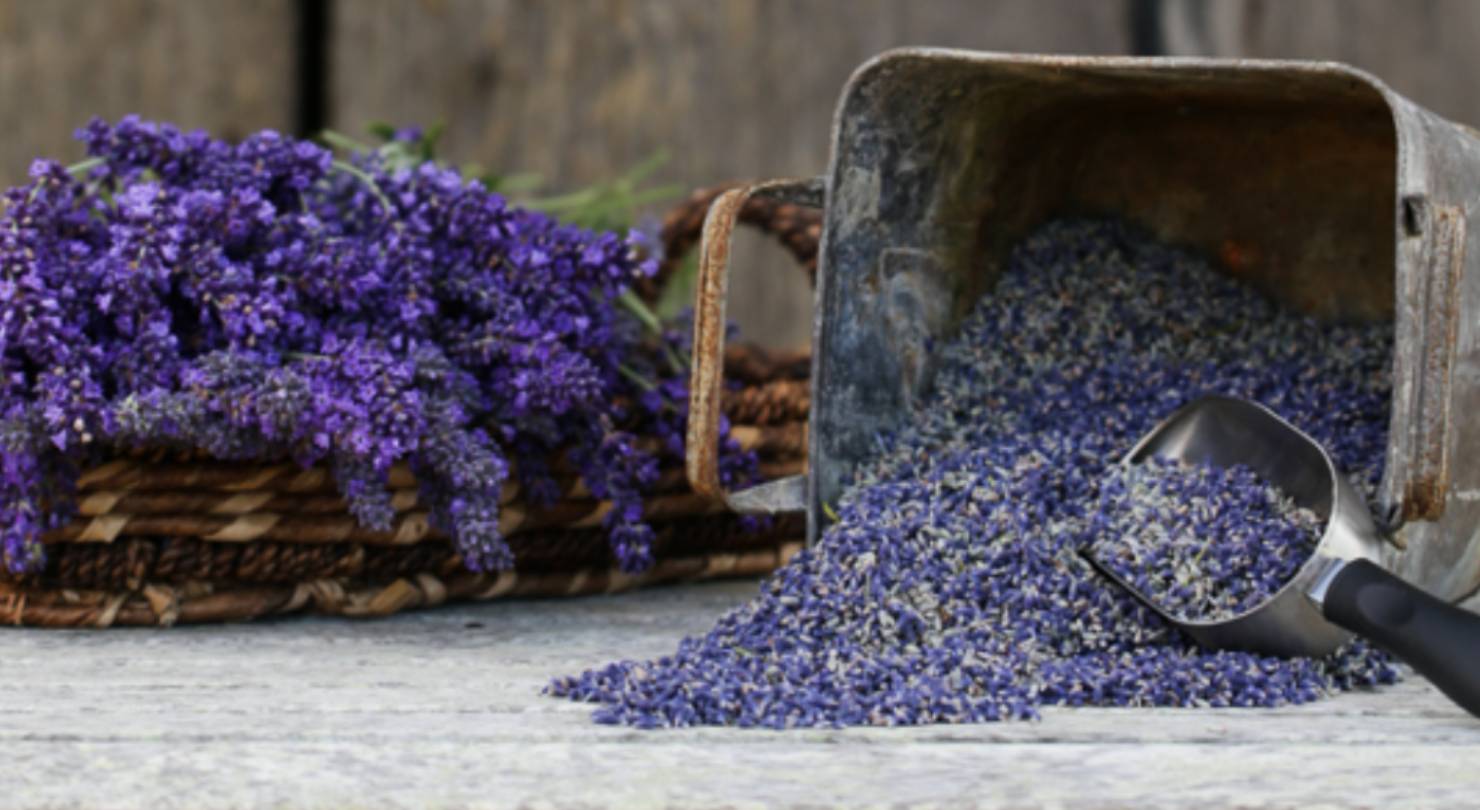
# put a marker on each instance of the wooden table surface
(442, 709)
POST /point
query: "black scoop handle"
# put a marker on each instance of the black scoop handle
(1439, 640)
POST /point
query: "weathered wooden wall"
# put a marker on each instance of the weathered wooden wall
(1426, 49)
(227, 65)
(577, 90)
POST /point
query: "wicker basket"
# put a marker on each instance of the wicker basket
(166, 538)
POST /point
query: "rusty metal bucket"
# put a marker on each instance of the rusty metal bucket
(1312, 181)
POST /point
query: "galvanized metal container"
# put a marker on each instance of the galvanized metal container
(1312, 181)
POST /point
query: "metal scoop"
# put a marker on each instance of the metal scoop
(1342, 589)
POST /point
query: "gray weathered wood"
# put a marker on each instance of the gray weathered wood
(580, 89)
(442, 709)
(226, 65)
(1425, 50)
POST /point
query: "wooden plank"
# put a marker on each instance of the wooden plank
(580, 89)
(442, 708)
(1425, 50)
(226, 65)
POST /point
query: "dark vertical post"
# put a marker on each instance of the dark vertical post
(311, 114)
(1145, 28)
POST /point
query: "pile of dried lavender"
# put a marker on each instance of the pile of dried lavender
(949, 589)
(1204, 543)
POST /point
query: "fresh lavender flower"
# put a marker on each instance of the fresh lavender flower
(950, 587)
(263, 300)
(1203, 543)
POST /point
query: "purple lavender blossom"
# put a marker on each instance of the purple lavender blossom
(262, 300)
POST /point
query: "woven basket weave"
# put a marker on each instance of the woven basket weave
(164, 537)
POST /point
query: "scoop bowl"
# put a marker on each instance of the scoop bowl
(1342, 589)
(1220, 431)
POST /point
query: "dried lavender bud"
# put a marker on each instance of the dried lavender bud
(1203, 543)
(950, 588)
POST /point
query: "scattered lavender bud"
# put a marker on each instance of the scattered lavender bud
(949, 589)
(1203, 543)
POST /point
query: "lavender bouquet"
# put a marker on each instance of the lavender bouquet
(270, 299)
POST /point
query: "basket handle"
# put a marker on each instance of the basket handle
(707, 379)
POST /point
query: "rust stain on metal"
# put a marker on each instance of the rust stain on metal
(709, 336)
(1238, 256)
(707, 380)
(1428, 482)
